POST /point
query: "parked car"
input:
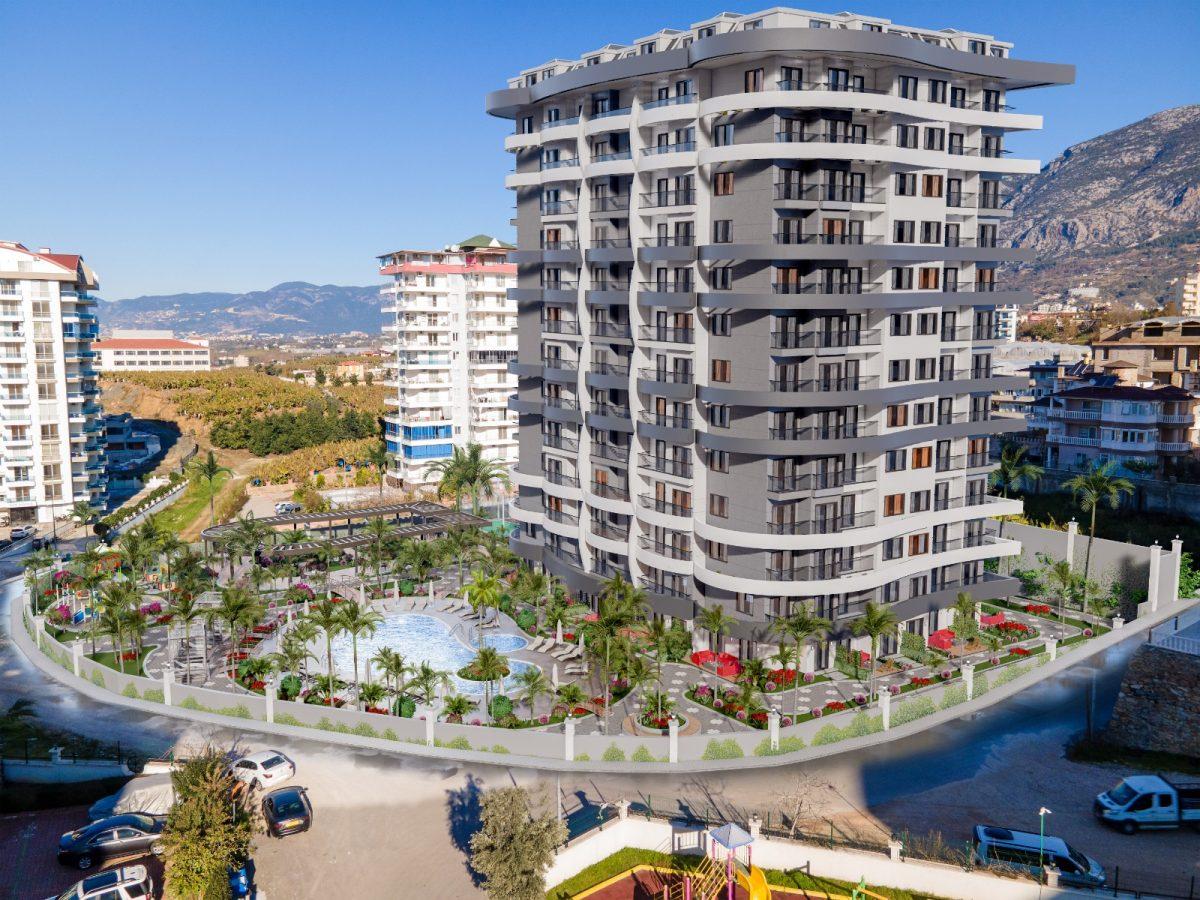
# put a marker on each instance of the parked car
(23, 531)
(287, 811)
(1028, 851)
(1149, 801)
(132, 834)
(287, 506)
(125, 883)
(265, 768)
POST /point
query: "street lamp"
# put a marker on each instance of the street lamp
(1042, 813)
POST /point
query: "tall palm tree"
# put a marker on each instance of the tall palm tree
(657, 635)
(462, 546)
(82, 514)
(379, 457)
(379, 530)
(533, 683)
(467, 471)
(358, 621)
(716, 622)
(1094, 489)
(206, 470)
(619, 605)
(291, 656)
(1013, 473)
(115, 603)
(490, 665)
(393, 667)
(372, 694)
(1064, 582)
(876, 621)
(186, 609)
(170, 546)
(328, 619)
(426, 680)
(303, 632)
(240, 611)
(964, 612)
(483, 593)
(800, 625)
(638, 671)
(570, 695)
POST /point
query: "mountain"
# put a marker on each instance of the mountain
(1120, 211)
(294, 307)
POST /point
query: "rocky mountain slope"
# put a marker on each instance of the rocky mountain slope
(1121, 210)
(294, 307)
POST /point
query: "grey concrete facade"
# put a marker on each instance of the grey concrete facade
(756, 255)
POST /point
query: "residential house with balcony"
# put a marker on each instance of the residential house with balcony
(1165, 349)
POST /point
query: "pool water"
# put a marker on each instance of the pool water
(420, 639)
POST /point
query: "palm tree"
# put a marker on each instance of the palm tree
(379, 457)
(379, 530)
(420, 556)
(457, 706)
(426, 680)
(358, 621)
(876, 621)
(207, 470)
(716, 622)
(303, 632)
(800, 625)
(1062, 579)
(657, 635)
(754, 671)
(533, 683)
(639, 672)
(240, 611)
(372, 694)
(393, 667)
(327, 554)
(1013, 473)
(291, 656)
(489, 665)
(618, 606)
(186, 609)
(461, 545)
(170, 546)
(570, 695)
(328, 619)
(964, 617)
(468, 471)
(483, 593)
(115, 602)
(83, 515)
(1096, 488)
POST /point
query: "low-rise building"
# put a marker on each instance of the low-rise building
(134, 350)
(1165, 349)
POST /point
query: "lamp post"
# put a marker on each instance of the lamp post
(1042, 813)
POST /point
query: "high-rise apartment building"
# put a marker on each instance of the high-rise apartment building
(51, 424)
(1006, 318)
(1187, 292)
(757, 266)
(455, 335)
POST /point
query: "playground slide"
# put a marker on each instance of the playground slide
(755, 883)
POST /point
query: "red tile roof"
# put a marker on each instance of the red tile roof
(145, 344)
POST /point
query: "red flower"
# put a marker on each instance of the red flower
(1019, 651)
(919, 681)
(835, 706)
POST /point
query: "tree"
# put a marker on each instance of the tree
(489, 665)
(426, 680)
(328, 620)
(533, 683)
(457, 706)
(965, 626)
(515, 845)
(379, 457)
(207, 833)
(1013, 473)
(468, 472)
(716, 622)
(240, 611)
(483, 593)
(618, 606)
(116, 599)
(876, 621)
(1062, 580)
(372, 694)
(570, 695)
(379, 530)
(320, 376)
(358, 621)
(800, 626)
(207, 470)
(1094, 489)
(393, 668)
(461, 545)
(82, 514)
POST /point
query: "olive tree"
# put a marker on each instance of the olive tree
(515, 845)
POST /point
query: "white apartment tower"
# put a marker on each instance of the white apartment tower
(455, 332)
(52, 426)
(757, 277)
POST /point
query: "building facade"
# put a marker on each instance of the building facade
(1007, 320)
(1165, 349)
(756, 283)
(136, 350)
(52, 427)
(455, 334)
(1187, 293)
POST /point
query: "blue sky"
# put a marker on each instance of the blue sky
(192, 146)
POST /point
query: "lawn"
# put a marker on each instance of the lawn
(132, 667)
(192, 503)
(1126, 525)
(626, 859)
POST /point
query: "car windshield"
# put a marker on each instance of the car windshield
(146, 823)
(289, 805)
(273, 762)
(1122, 794)
(1079, 859)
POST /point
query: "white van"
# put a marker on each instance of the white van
(1023, 849)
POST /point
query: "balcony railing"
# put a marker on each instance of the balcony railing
(610, 284)
(557, 362)
(826, 137)
(611, 243)
(559, 284)
(619, 370)
(678, 147)
(668, 287)
(611, 410)
(665, 420)
(664, 590)
(822, 571)
(561, 479)
(671, 551)
(670, 101)
(558, 442)
(665, 506)
(618, 453)
(609, 530)
(609, 113)
(679, 240)
(559, 516)
(609, 491)
(810, 385)
(824, 432)
(571, 557)
(611, 329)
(681, 468)
(560, 326)
(824, 287)
(655, 199)
(561, 402)
(666, 376)
(787, 237)
(557, 207)
(816, 481)
(831, 525)
(838, 193)
(666, 334)
(829, 338)
(610, 204)
(609, 157)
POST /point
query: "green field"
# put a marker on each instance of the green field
(132, 667)
(192, 503)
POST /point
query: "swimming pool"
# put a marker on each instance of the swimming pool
(420, 639)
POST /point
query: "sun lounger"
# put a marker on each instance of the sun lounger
(540, 645)
(564, 654)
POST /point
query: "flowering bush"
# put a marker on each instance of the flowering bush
(919, 681)
(718, 703)
(894, 690)
(860, 699)
(1010, 627)
(817, 712)
(476, 722)
(770, 687)
(741, 714)
(946, 674)
(785, 721)
(59, 615)
(703, 691)
(543, 719)
(782, 677)
(995, 660)
(1087, 632)
(835, 706)
(152, 609)
(1019, 651)
(809, 677)
(1037, 609)
(163, 620)
(129, 655)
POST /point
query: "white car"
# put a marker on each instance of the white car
(285, 507)
(264, 769)
(23, 531)
(125, 883)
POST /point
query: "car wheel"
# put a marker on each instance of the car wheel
(1129, 827)
(84, 862)
(157, 848)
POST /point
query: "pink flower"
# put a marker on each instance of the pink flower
(817, 712)
(809, 677)
(785, 721)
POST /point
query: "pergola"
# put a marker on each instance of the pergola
(419, 519)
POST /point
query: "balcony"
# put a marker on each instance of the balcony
(560, 402)
(547, 164)
(830, 525)
(619, 243)
(671, 551)
(560, 326)
(665, 506)
(570, 557)
(665, 420)
(836, 86)
(558, 207)
(555, 477)
(618, 370)
(666, 334)
(616, 203)
(658, 199)
(609, 491)
(618, 453)
(609, 530)
(678, 147)
(663, 590)
(787, 237)
(611, 157)
(618, 330)
(666, 376)
(670, 101)
(821, 571)
(823, 339)
(834, 193)
(826, 137)
(824, 287)
(558, 284)
(610, 410)
(557, 362)
(560, 516)
(681, 468)
(609, 113)
(668, 287)
(610, 284)
(817, 385)
(679, 240)
(817, 481)
(842, 431)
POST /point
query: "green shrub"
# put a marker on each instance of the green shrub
(390, 735)
(913, 646)
(458, 743)
(405, 707)
(190, 703)
(362, 729)
(582, 757)
(726, 749)
(154, 696)
(98, 679)
(829, 734)
(407, 588)
(613, 754)
(501, 706)
(913, 709)
(642, 754)
(862, 725)
(954, 695)
(287, 719)
(1011, 673)
(238, 712)
(786, 745)
(130, 691)
(527, 620)
(980, 686)
(499, 748)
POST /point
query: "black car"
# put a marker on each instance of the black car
(118, 837)
(287, 811)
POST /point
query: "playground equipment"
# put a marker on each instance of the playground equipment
(715, 877)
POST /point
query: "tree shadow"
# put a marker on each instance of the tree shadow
(463, 812)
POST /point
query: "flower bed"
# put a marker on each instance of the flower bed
(471, 672)
(727, 703)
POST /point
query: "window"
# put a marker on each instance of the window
(904, 231)
(722, 370)
(718, 460)
(927, 323)
(723, 135)
(918, 544)
(931, 185)
(906, 185)
(717, 551)
(979, 47)
(647, 48)
(935, 138)
(922, 457)
(718, 415)
(897, 417)
(722, 278)
(723, 184)
(722, 231)
(907, 87)
(958, 98)
(931, 232)
(719, 506)
(919, 501)
(753, 80)
(898, 370)
(893, 548)
(937, 91)
(817, 23)
(901, 324)
(895, 461)
(893, 505)
(526, 125)
(929, 277)
(902, 279)
(906, 136)
(926, 369)
(721, 324)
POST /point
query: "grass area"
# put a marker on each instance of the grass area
(1127, 525)
(1097, 750)
(192, 503)
(626, 859)
(132, 667)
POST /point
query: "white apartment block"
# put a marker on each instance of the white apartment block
(139, 350)
(455, 331)
(52, 426)
(1187, 292)
(1006, 318)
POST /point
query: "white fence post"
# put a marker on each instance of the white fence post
(269, 696)
(569, 743)
(431, 714)
(1177, 560)
(673, 739)
(1052, 649)
(76, 656)
(168, 679)
(885, 707)
(39, 629)
(1155, 576)
(1072, 530)
(968, 676)
(773, 718)
(1118, 622)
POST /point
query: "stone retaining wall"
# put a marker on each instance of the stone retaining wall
(1159, 704)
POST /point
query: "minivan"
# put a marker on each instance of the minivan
(994, 845)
